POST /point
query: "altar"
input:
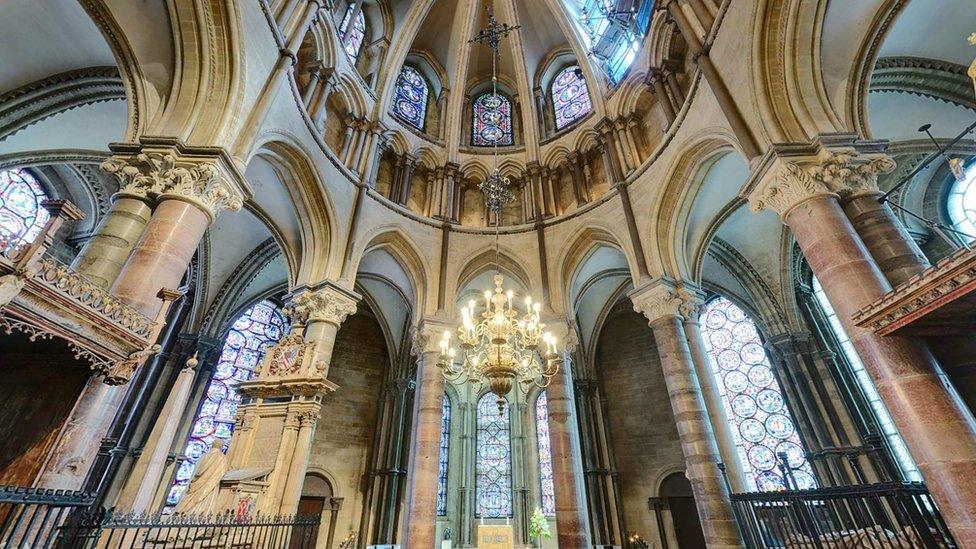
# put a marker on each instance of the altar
(495, 536)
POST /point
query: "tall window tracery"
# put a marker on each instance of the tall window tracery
(961, 204)
(443, 456)
(570, 98)
(410, 97)
(491, 121)
(905, 462)
(493, 466)
(249, 337)
(21, 215)
(614, 38)
(763, 427)
(546, 488)
(353, 34)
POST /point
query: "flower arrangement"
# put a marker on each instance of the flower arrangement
(538, 525)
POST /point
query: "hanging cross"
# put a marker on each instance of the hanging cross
(492, 35)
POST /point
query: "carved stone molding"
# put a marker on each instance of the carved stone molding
(664, 298)
(160, 176)
(832, 165)
(326, 304)
(925, 77)
(41, 99)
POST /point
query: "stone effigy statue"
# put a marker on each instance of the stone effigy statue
(201, 495)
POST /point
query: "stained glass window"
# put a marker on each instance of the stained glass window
(545, 455)
(763, 426)
(250, 335)
(410, 97)
(491, 121)
(887, 426)
(442, 456)
(21, 215)
(961, 204)
(570, 99)
(493, 468)
(353, 35)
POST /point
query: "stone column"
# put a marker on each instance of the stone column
(662, 303)
(191, 193)
(314, 74)
(421, 504)
(655, 80)
(733, 115)
(406, 178)
(567, 466)
(299, 462)
(102, 257)
(701, 12)
(318, 110)
(580, 190)
(939, 431)
(144, 479)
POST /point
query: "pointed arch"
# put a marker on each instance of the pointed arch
(579, 246)
(485, 261)
(405, 251)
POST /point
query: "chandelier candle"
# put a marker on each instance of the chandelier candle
(501, 348)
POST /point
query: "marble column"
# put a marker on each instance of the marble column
(299, 462)
(140, 488)
(190, 194)
(102, 257)
(662, 302)
(567, 468)
(421, 504)
(939, 431)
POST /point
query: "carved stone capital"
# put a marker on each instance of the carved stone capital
(426, 336)
(664, 298)
(157, 175)
(832, 165)
(326, 304)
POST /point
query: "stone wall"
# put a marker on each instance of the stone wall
(643, 435)
(343, 441)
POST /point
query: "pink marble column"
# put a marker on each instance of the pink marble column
(939, 431)
(661, 304)
(571, 516)
(424, 447)
(162, 255)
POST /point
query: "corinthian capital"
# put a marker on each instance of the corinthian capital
(664, 298)
(833, 165)
(152, 175)
(326, 304)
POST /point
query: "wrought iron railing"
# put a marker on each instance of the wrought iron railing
(105, 531)
(890, 514)
(31, 517)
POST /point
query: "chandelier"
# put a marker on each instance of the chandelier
(500, 344)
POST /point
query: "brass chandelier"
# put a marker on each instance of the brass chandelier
(500, 344)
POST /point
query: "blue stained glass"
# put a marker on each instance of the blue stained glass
(410, 97)
(353, 35)
(570, 98)
(21, 215)
(216, 416)
(493, 467)
(887, 426)
(763, 426)
(491, 122)
(443, 456)
(547, 488)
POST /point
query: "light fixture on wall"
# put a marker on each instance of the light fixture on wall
(500, 343)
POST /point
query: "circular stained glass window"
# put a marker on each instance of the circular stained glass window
(21, 215)
(961, 203)
(752, 397)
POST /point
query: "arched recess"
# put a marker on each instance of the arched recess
(413, 267)
(578, 255)
(289, 194)
(787, 50)
(476, 276)
(686, 186)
